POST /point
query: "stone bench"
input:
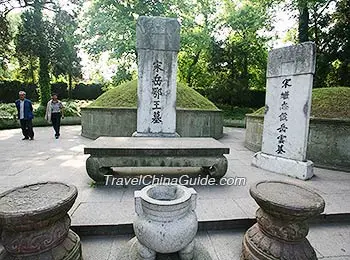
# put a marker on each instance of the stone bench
(108, 152)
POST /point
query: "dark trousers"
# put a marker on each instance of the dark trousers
(27, 128)
(56, 122)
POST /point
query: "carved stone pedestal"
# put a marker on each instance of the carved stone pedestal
(281, 228)
(34, 223)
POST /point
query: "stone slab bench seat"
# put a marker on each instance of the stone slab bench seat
(108, 152)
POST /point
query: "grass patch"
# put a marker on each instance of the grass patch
(331, 102)
(260, 111)
(235, 113)
(327, 103)
(125, 95)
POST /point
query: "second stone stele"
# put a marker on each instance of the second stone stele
(290, 73)
(165, 226)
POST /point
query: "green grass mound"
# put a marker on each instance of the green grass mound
(328, 103)
(125, 95)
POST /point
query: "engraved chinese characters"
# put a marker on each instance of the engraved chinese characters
(157, 92)
(158, 41)
(286, 121)
(283, 117)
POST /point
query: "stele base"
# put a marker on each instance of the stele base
(297, 169)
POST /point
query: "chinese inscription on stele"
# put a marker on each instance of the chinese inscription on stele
(290, 73)
(157, 92)
(283, 117)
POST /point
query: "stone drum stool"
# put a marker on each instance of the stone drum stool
(34, 223)
(165, 226)
(281, 228)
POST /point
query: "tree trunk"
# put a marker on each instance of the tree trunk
(32, 75)
(70, 85)
(303, 21)
(44, 76)
(190, 69)
(44, 80)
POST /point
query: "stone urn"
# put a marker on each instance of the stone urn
(166, 221)
(281, 228)
(34, 223)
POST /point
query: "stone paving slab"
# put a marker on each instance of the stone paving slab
(89, 213)
(48, 159)
(332, 242)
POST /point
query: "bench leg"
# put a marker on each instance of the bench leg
(96, 171)
(218, 170)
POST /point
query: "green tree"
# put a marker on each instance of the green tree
(65, 60)
(239, 62)
(32, 41)
(111, 27)
(340, 42)
(197, 37)
(45, 41)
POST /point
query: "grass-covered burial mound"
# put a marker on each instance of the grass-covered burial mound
(329, 131)
(114, 113)
(327, 103)
(125, 95)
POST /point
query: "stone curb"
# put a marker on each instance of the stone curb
(37, 122)
(244, 223)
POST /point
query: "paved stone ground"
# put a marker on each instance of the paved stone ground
(331, 242)
(48, 159)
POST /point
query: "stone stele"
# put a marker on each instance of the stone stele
(281, 228)
(158, 43)
(288, 99)
(34, 223)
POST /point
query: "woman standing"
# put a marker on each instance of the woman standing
(54, 113)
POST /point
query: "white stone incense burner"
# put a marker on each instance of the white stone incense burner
(166, 221)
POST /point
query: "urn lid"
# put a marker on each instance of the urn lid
(283, 198)
(36, 201)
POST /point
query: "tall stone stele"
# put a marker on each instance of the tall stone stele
(158, 43)
(290, 73)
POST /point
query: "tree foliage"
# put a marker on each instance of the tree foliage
(44, 42)
(223, 51)
(65, 60)
(33, 41)
(208, 61)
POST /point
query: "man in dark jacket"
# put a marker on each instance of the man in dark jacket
(25, 115)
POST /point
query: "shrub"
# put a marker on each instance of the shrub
(40, 111)
(9, 91)
(8, 111)
(61, 89)
(71, 108)
(84, 91)
(237, 113)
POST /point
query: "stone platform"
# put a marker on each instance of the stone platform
(108, 152)
(110, 210)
